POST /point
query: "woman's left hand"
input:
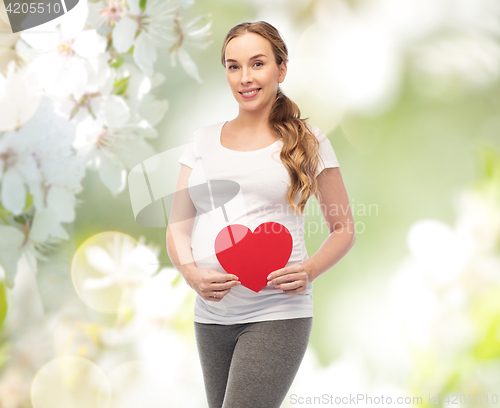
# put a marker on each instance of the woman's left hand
(293, 279)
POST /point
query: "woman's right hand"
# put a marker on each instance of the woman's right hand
(207, 283)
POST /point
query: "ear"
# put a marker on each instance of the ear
(283, 69)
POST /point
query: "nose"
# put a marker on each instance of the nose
(246, 75)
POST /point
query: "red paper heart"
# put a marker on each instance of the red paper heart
(251, 256)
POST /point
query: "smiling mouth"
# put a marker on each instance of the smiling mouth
(251, 93)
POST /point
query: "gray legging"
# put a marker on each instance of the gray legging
(251, 364)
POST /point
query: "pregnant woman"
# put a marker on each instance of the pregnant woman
(251, 340)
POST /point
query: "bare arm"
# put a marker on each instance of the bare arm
(336, 210)
(181, 224)
(206, 282)
(334, 204)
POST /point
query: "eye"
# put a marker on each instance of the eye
(231, 66)
(259, 63)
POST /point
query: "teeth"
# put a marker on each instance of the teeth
(250, 93)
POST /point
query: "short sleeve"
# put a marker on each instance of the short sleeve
(190, 155)
(327, 157)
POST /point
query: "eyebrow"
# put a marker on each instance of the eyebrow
(255, 56)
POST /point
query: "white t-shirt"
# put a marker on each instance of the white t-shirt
(264, 182)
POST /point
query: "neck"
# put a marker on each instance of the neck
(255, 120)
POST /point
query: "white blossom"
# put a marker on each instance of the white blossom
(153, 25)
(110, 150)
(38, 159)
(159, 26)
(107, 12)
(99, 87)
(112, 140)
(120, 263)
(18, 167)
(448, 270)
(192, 35)
(20, 96)
(61, 67)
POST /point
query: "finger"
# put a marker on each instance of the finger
(219, 288)
(208, 285)
(218, 295)
(210, 297)
(276, 273)
(218, 277)
(224, 285)
(290, 285)
(206, 292)
(283, 272)
(295, 291)
(289, 277)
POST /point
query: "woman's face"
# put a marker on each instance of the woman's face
(251, 65)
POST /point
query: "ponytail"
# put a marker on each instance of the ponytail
(299, 153)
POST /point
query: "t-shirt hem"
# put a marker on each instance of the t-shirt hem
(186, 162)
(327, 166)
(273, 316)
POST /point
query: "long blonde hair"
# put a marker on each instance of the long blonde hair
(300, 148)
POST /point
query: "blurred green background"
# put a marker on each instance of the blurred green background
(408, 163)
(408, 93)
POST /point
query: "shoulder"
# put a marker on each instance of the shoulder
(210, 128)
(204, 131)
(201, 134)
(316, 131)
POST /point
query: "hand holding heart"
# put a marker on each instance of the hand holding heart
(207, 282)
(292, 280)
(253, 255)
